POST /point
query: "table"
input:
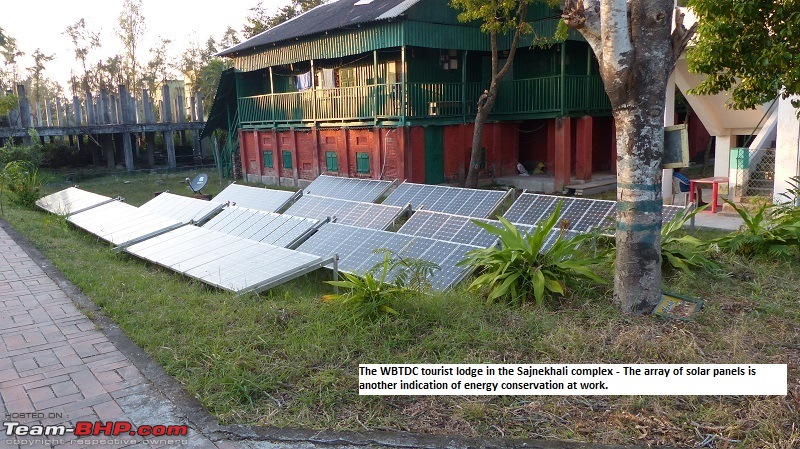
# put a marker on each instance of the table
(715, 182)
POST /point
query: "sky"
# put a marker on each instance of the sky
(41, 23)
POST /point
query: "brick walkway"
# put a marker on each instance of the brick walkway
(55, 363)
(57, 367)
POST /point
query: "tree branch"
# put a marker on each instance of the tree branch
(680, 35)
(615, 36)
(521, 12)
(584, 16)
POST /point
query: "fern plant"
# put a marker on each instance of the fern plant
(524, 268)
(408, 273)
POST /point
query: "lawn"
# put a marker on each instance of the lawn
(285, 358)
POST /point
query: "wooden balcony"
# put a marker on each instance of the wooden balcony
(429, 102)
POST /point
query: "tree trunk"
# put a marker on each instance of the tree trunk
(477, 148)
(637, 276)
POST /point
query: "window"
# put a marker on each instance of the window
(332, 161)
(362, 162)
(287, 159)
(267, 159)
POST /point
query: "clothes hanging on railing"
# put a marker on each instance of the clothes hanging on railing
(304, 81)
(328, 80)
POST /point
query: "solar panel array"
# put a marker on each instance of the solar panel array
(270, 200)
(355, 247)
(354, 189)
(223, 260)
(577, 214)
(365, 215)
(267, 227)
(181, 208)
(121, 223)
(71, 201)
(452, 200)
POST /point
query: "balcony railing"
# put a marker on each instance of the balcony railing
(424, 100)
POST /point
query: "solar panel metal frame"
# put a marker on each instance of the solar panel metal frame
(203, 210)
(163, 253)
(124, 219)
(420, 203)
(44, 202)
(228, 196)
(314, 202)
(356, 240)
(327, 186)
(226, 222)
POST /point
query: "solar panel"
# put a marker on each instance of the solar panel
(181, 208)
(452, 200)
(448, 227)
(261, 226)
(71, 201)
(669, 212)
(354, 189)
(355, 247)
(121, 223)
(577, 214)
(225, 261)
(365, 215)
(270, 200)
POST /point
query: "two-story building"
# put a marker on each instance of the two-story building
(388, 89)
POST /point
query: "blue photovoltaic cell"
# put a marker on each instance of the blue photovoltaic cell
(353, 189)
(259, 198)
(356, 249)
(447, 227)
(452, 200)
(181, 208)
(267, 227)
(365, 215)
(70, 201)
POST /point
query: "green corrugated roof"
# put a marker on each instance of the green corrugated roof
(224, 101)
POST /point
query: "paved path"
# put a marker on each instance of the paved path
(59, 367)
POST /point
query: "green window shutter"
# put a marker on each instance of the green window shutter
(362, 162)
(287, 159)
(332, 161)
(267, 159)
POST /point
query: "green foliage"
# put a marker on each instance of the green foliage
(522, 268)
(8, 103)
(31, 154)
(261, 20)
(21, 179)
(409, 273)
(767, 231)
(682, 251)
(748, 47)
(367, 296)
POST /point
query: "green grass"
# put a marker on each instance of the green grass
(284, 358)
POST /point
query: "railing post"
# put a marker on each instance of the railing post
(464, 86)
(404, 87)
(313, 95)
(562, 83)
(375, 87)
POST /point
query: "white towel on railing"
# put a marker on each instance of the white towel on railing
(328, 80)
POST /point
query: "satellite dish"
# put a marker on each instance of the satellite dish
(198, 182)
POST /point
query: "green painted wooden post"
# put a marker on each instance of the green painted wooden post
(587, 101)
(562, 81)
(464, 86)
(271, 103)
(375, 87)
(313, 94)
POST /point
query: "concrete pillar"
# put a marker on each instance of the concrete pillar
(90, 117)
(107, 143)
(24, 112)
(563, 160)
(77, 119)
(787, 148)
(150, 140)
(583, 149)
(166, 117)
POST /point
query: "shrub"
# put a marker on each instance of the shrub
(21, 179)
(683, 251)
(767, 231)
(369, 295)
(524, 268)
